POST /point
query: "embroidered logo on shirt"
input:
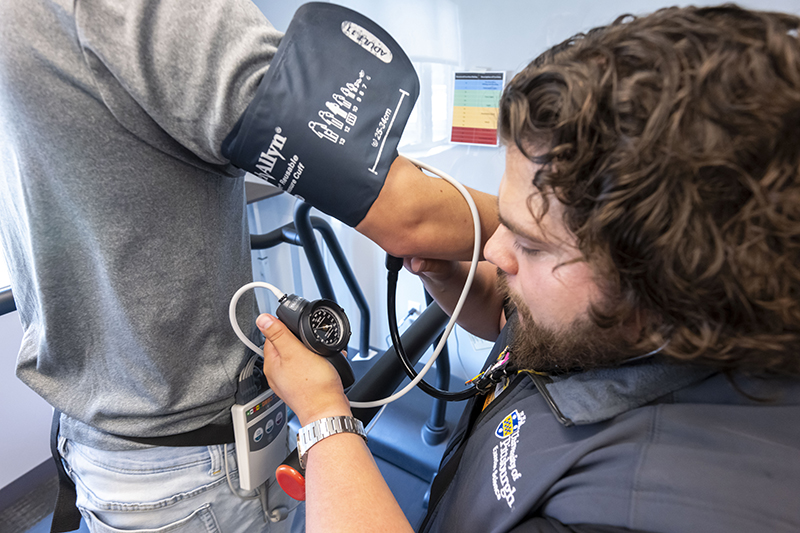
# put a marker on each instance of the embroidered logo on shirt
(504, 457)
(509, 425)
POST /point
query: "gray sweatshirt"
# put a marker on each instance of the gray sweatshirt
(123, 225)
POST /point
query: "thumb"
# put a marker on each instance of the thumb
(277, 334)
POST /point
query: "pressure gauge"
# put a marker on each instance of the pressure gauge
(322, 325)
(326, 325)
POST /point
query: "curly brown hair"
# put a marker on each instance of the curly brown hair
(673, 141)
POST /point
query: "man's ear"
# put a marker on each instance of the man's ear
(633, 326)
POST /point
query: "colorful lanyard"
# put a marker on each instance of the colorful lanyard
(494, 379)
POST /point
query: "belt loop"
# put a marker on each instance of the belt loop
(217, 459)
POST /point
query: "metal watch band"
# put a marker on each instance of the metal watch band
(316, 431)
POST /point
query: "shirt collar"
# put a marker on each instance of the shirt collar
(603, 393)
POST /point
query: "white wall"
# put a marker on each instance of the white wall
(24, 416)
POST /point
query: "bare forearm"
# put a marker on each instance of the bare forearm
(420, 215)
(346, 492)
(483, 306)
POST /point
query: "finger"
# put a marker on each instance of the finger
(431, 268)
(415, 265)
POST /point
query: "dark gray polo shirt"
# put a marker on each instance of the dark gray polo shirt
(650, 447)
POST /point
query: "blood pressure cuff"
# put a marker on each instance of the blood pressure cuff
(326, 119)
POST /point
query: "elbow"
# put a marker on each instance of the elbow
(406, 239)
(402, 234)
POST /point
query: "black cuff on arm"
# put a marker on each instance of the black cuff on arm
(327, 117)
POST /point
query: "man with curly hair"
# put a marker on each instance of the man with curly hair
(648, 258)
(124, 226)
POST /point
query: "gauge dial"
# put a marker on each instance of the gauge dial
(322, 325)
(326, 326)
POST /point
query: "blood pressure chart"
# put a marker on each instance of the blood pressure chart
(475, 107)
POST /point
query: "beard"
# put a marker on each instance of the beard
(579, 346)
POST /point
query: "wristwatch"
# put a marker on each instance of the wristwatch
(316, 431)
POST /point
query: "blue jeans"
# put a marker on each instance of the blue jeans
(166, 489)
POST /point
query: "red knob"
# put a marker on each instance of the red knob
(291, 481)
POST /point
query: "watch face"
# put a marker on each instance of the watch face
(326, 325)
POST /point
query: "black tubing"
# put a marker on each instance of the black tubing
(398, 343)
(386, 374)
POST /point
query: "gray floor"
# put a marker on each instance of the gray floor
(33, 513)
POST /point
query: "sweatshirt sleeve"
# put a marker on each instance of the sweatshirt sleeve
(177, 73)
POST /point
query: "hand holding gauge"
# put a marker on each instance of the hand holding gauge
(321, 325)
